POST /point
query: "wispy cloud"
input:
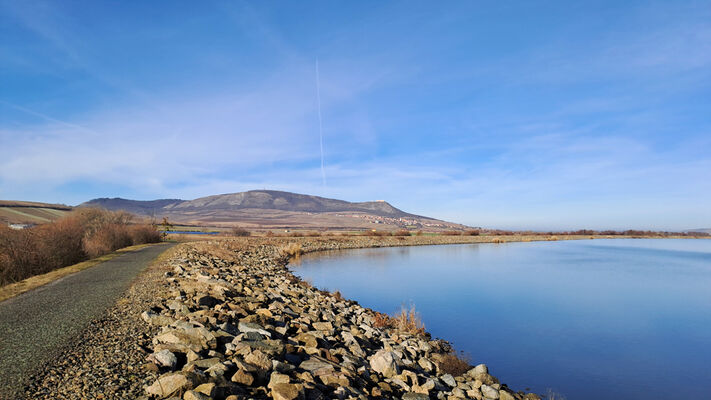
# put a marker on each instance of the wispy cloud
(596, 122)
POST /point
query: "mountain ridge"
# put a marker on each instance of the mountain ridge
(275, 208)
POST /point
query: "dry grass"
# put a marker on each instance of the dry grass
(452, 233)
(291, 250)
(453, 364)
(407, 321)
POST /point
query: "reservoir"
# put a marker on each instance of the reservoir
(588, 319)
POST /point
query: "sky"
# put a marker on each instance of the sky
(516, 115)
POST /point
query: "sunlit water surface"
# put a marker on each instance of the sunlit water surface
(590, 319)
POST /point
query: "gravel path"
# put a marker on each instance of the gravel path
(36, 326)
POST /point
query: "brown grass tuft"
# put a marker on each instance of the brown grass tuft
(453, 364)
(407, 321)
(291, 250)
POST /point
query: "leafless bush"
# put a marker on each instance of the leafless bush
(291, 250)
(451, 233)
(453, 364)
(241, 232)
(83, 233)
(401, 232)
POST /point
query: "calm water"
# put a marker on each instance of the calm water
(592, 319)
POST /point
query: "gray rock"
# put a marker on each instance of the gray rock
(480, 369)
(169, 384)
(385, 362)
(489, 392)
(250, 327)
(165, 358)
(449, 380)
(316, 367)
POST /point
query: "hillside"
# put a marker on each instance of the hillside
(30, 213)
(275, 209)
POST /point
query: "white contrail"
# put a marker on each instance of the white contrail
(320, 122)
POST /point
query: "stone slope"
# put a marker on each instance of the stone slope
(127, 350)
(240, 325)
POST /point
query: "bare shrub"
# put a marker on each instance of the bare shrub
(143, 233)
(241, 232)
(453, 364)
(107, 239)
(472, 232)
(86, 232)
(382, 321)
(291, 250)
(451, 233)
(401, 232)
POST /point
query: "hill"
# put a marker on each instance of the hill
(275, 209)
(30, 213)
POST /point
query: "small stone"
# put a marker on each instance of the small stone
(164, 358)
(169, 384)
(206, 389)
(276, 378)
(425, 364)
(193, 395)
(504, 395)
(287, 391)
(385, 362)
(250, 327)
(316, 367)
(323, 326)
(259, 359)
(489, 392)
(449, 380)
(480, 369)
(243, 377)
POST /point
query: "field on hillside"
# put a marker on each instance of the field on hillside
(26, 212)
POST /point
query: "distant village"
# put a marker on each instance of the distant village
(411, 223)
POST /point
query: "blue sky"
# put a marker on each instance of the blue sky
(525, 115)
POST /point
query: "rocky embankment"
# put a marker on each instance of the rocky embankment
(236, 324)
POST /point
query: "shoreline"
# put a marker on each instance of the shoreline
(222, 308)
(307, 344)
